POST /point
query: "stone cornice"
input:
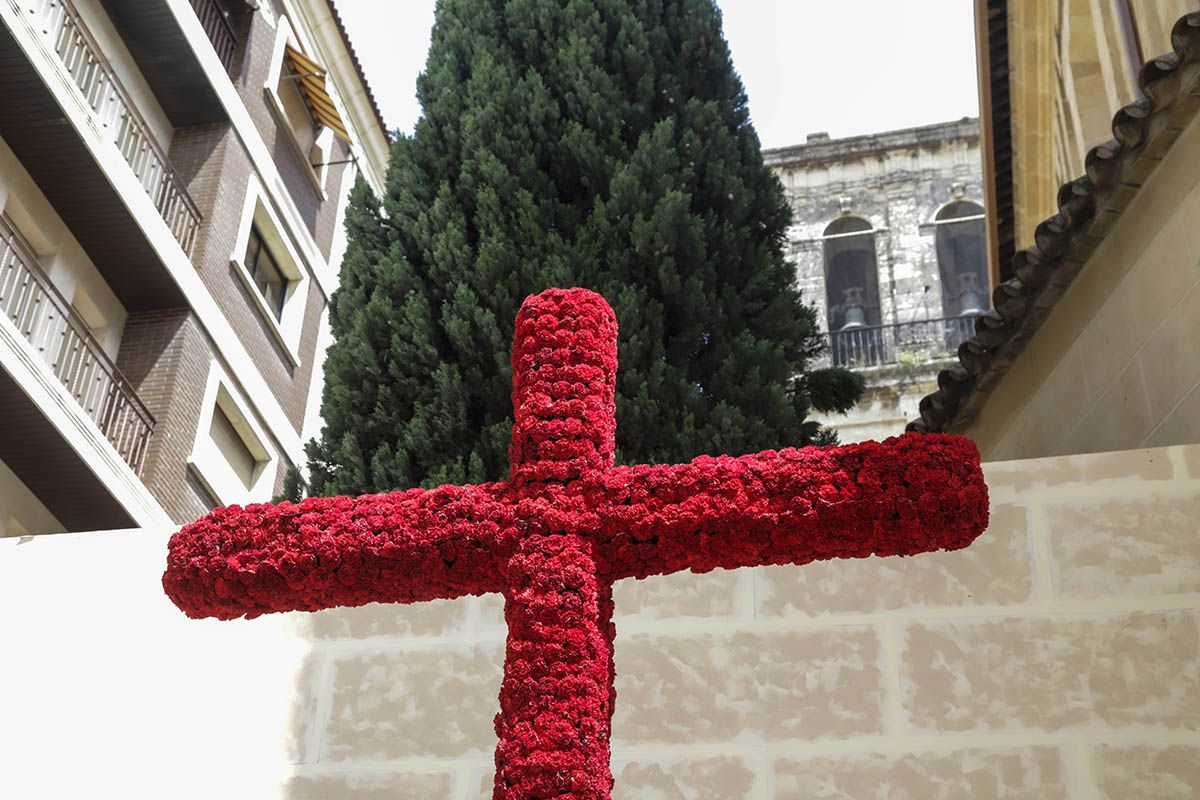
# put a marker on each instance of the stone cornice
(816, 151)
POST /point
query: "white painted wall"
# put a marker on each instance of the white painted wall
(108, 691)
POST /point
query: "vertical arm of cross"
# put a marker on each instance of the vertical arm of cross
(564, 364)
(556, 698)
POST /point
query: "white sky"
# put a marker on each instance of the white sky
(846, 67)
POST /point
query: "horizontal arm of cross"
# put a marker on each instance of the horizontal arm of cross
(909, 495)
(400, 547)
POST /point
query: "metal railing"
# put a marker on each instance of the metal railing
(62, 339)
(66, 33)
(921, 340)
(215, 21)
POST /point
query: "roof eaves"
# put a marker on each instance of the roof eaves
(1089, 207)
(362, 77)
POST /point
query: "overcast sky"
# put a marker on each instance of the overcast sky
(846, 67)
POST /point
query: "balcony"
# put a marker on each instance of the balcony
(168, 58)
(46, 320)
(915, 342)
(215, 21)
(65, 32)
(65, 160)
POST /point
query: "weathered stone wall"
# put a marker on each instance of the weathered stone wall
(892, 399)
(1058, 657)
(897, 181)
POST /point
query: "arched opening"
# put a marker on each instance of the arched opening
(962, 259)
(852, 291)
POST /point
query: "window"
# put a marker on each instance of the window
(851, 274)
(852, 291)
(305, 104)
(229, 458)
(295, 109)
(269, 267)
(233, 447)
(962, 258)
(265, 273)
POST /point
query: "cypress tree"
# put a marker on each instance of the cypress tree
(597, 143)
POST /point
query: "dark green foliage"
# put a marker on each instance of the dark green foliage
(833, 390)
(293, 488)
(597, 143)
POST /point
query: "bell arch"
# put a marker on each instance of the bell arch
(962, 258)
(851, 274)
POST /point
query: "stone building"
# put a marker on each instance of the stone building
(173, 177)
(1091, 125)
(888, 242)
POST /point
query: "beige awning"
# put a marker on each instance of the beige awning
(310, 80)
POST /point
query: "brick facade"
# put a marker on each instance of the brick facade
(230, 154)
(318, 211)
(218, 172)
(166, 354)
(166, 357)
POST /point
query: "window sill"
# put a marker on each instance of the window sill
(221, 483)
(260, 305)
(281, 120)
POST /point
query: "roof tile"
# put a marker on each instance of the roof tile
(1089, 207)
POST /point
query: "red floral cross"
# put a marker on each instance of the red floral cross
(569, 523)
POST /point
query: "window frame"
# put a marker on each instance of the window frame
(286, 327)
(206, 460)
(262, 253)
(284, 35)
(870, 233)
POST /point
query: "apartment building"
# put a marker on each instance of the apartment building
(173, 178)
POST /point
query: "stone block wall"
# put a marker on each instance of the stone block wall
(891, 398)
(1058, 657)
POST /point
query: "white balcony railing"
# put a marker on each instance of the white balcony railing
(47, 321)
(64, 30)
